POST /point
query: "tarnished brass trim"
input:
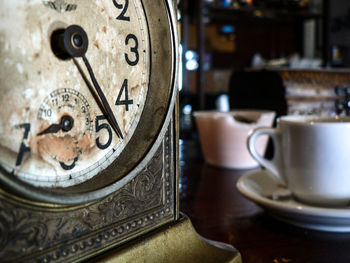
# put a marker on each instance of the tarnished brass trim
(179, 243)
(177, 158)
(45, 206)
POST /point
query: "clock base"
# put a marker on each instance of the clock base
(178, 242)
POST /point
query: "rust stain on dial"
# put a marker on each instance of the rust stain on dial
(63, 148)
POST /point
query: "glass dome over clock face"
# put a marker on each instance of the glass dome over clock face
(56, 128)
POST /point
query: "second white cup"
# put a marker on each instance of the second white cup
(311, 155)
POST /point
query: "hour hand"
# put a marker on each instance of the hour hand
(66, 124)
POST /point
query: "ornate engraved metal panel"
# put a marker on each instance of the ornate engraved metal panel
(33, 232)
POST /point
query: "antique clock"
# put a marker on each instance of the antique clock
(87, 128)
(88, 134)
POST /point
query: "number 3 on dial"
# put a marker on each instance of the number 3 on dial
(133, 49)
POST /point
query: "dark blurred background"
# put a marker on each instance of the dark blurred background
(263, 54)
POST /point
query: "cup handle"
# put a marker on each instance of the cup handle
(274, 165)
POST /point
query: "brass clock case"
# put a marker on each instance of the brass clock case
(150, 130)
(134, 195)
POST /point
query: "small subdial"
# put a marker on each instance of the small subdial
(66, 127)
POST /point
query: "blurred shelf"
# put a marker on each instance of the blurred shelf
(251, 25)
(219, 13)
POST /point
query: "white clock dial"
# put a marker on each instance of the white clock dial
(55, 130)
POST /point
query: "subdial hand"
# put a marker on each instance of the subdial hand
(66, 124)
(75, 42)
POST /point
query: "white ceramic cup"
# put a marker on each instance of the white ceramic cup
(223, 136)
(312, 156)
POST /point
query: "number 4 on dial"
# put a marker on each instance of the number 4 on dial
(126, 100)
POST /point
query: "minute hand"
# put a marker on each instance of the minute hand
(75, 42)
(104, 101)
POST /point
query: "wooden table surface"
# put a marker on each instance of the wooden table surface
(208, 195)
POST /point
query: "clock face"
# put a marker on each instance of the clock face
(73, 82)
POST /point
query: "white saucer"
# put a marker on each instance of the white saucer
(265, 190)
